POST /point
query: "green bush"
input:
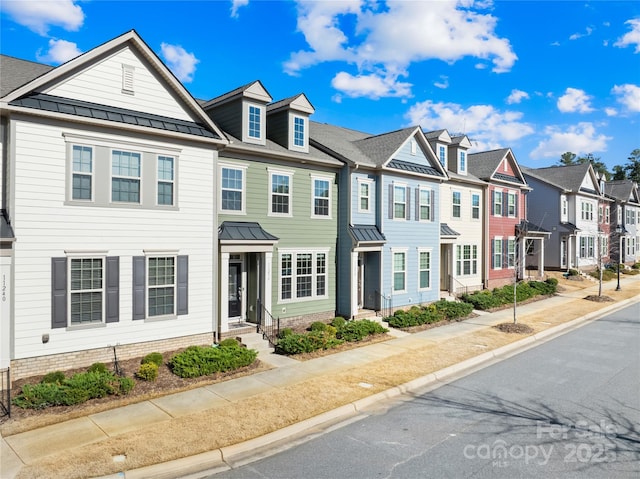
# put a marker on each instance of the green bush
(73, 390)
(154, 358)
(148, 371)
(453, 310)
(98, 368)
(635, 266)
(552, 281)
(55, 377)
(284, 332)
(357, 330)
(338, 322)
(299, 343)
(317, 326)
(403, 319)
(229, 343)
(482, 300)
(196, 361)
(574, 272)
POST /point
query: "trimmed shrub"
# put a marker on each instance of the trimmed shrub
(299, 343)
(285, 332)
(98, 368)
(403, 319)
(125, 385)
(56, 377)
(196, 361)
(148, 371)
(573, 272)
(229, 343)
(357, 330)
(338, 322)
(153, 358)
(552, 281)
(453, 310)
(39, 396)
(318, 326)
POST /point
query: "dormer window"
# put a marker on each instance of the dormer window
(298, 132)
(255, 122)
(462, 167)
(443, 156)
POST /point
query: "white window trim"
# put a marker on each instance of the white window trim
(471, 260)
(172, 181)
(479, 207)
(419, 205)
(514, 195)
(515, 252)
(404, 251)
(271, 172)
(161, 254)
(111, 177)
(564, 208)
(86, 255)
(305, 133)
(246, 120)
(369, 183)
(607, 214)
(462, 165)
(329, 180)
(233, 166)
(294, 252)
(403, 186)
(92, 174)
(498, 239)
(498, 194)
(430, 251)
(453, 192)
(442, 161)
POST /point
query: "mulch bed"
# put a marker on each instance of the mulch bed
(598, 299)
(514, 328)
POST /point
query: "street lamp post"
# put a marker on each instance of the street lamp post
(619, 231)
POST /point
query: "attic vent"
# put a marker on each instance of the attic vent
(127, 78)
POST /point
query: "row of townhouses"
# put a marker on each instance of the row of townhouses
(137, 217)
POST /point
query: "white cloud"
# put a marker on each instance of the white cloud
(632, 37)
(393, 37)
(628, 95)
(574, 100)
(443, 83)
(488, 127)
(575, 36)
(371, 86)
(517, 96)
(611, 111)
(180, 62)
(39, 16)
(60, 51)
(580, 139)
(236, 5)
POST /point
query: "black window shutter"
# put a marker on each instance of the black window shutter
(418, 204)
(505, 253)
(432, 209)
(391, 201)
(505, 203)
(139, 278)
(183, 285)
(517, 213)
(493, 254)
(113, 289)
(407, 213)
(58, 293)
(493, 203)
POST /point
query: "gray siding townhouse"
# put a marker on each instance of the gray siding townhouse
(625, 233)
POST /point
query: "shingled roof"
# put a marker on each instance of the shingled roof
(621, 190)
(564, 177)
(15, 72)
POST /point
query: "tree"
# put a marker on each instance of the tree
(619, 173)
(567, 159)
(596, 163)
(632, 168)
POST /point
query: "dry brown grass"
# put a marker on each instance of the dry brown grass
(264, 413)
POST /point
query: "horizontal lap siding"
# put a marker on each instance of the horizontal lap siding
(102, 83)
(359, 218)
(46, 227)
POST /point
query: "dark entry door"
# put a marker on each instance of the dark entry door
(235, 290)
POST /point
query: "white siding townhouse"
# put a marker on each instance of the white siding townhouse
(108, 231)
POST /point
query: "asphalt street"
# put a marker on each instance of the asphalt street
(567, 408)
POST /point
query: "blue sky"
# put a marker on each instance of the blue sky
(541, 77)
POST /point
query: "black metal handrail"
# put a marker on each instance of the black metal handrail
(386, 304)
(267, 325)
(455, 289)
(5, 392)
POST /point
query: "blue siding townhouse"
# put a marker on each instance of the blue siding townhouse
(389, 221)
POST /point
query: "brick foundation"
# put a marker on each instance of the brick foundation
(23, 368)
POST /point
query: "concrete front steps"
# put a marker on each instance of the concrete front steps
(265, 350)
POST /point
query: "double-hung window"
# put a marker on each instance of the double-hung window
(161, 285)
(82, 173)
(497, 203)
(321, 197)
(364, 197)
(86, 288)
(399, 271)
(399, 202)
(443, 155)
(587, 211)
(280, 194)
(511, 204)
(424, 269)
(125, 176)
(425, 205)
(298, 132)
(497, 253)
(255, 122)
(303, 275)
(607, 214)
(511, 253)
(475, 206)
(600, 214)
(231, 189)
(466, 260)
(463, 162)
(456, 200)
(165, 180)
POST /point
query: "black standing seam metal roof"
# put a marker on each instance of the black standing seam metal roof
(570, 227)
(40, 101)
(526, 226)
(414, 168)
(367, 234)
(6, 231)
(512, 179)
(244, 231)
(446, 230)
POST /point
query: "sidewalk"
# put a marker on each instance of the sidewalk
(21, 450)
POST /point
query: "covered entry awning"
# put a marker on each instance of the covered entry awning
(526, 228)
(447, 234)
(249, 233)
(366, 235)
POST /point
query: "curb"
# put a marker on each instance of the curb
(236, 455)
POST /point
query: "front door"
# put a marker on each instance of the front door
(360, 281)
(235, 290)
(563, 253)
